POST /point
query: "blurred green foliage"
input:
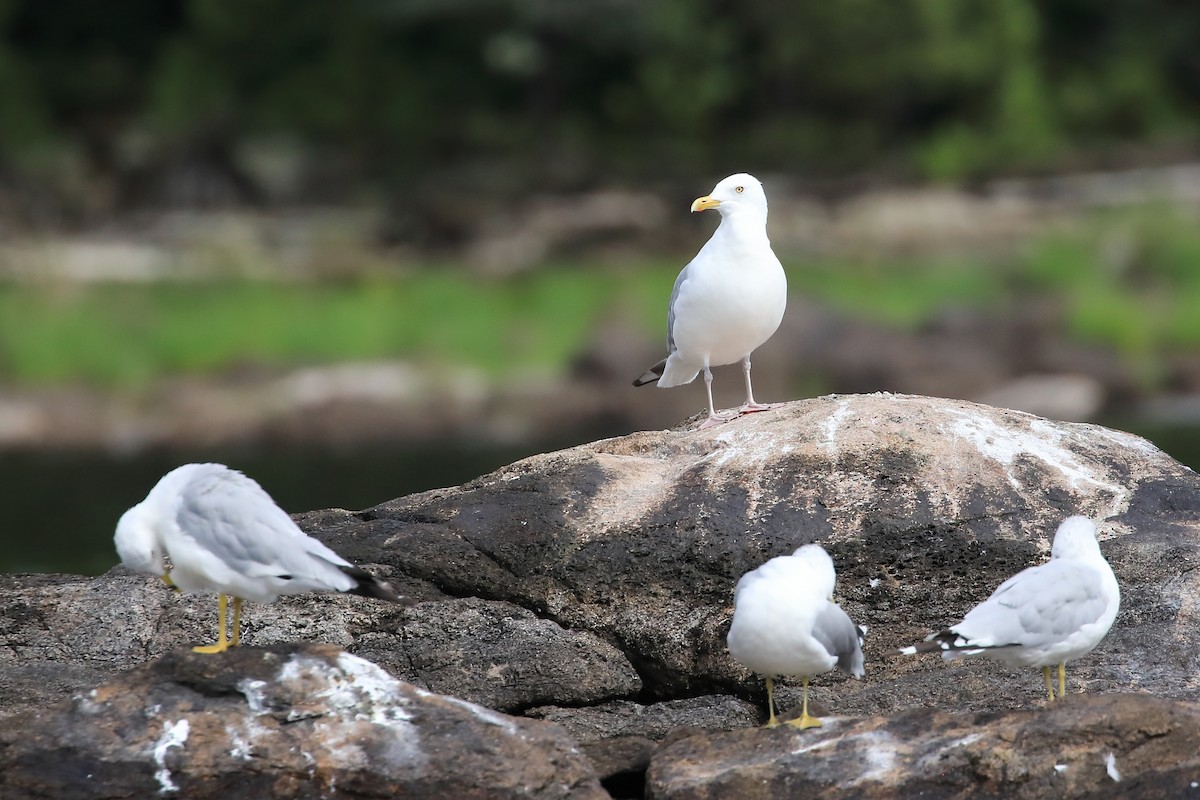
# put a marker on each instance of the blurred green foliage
(379, 94)
(1130, 281)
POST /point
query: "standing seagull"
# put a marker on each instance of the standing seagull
(785, 623)
(728, 300)
(1044, 615)
(224, 534)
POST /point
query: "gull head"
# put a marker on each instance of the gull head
(1076, 538)
(820, 566)
(737, 194)
(137, 542)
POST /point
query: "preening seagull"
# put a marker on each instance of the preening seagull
(728, 300)
(225, 535)
(1044, 615)
(786, 623)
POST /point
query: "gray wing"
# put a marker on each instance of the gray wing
(840, 637)
(230, 515)
(683, 276)
(1040, 605)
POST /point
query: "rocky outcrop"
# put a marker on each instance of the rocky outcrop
(1130, 746)
(926, 506)
(593, 586)
(293, 721)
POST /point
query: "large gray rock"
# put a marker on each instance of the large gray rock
(292, 721)
(599, 579)
(925, 504)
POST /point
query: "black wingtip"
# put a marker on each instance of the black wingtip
(652, 374)
(939, 642)
(948, 641)
(370, 586)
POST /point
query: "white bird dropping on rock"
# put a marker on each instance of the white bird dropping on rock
(785, 623)
(728, 300)
(1044, 615)
(225, 535)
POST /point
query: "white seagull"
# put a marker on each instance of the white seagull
(728, 300)
(785, 623)
(1044, 615)
(225, 535)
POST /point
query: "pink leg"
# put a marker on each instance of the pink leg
(714, 418)
(750, 406)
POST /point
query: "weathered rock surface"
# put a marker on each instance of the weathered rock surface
(63, 634)
(620, 737)
(1133, 746)
(593, 586)
(925, 504)
(292, 721)
(523, 660)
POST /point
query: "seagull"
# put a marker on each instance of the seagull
(728, 300)
(786, 623)
(225, 535)
(1044, 615)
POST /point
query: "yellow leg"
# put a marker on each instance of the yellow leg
(772, 722)
(237, 622)
(1049, 683)
(805, 721)
(222, 641)
(1062, 679)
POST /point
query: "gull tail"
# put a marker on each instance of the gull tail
(946, 642)
(369, 586)
(652, 374)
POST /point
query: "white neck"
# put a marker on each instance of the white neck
(745, 226)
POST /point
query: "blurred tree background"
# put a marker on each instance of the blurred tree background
(151, 102)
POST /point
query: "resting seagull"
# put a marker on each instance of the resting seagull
(1044, 615)
(785, 623)
(225, 535)
(728, 300)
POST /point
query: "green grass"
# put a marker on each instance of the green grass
(1129, 281)
(127, 334)
(903, 294)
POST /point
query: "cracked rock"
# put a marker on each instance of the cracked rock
(1129, 746)
(501, 656)
(286, 721)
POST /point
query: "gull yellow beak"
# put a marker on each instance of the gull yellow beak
(166, 578)
(705, 203)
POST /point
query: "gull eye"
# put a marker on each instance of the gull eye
(740, 189)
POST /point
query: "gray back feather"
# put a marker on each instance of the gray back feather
(1040, 605)
(238, 522)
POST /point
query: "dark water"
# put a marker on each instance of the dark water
(60, 509)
